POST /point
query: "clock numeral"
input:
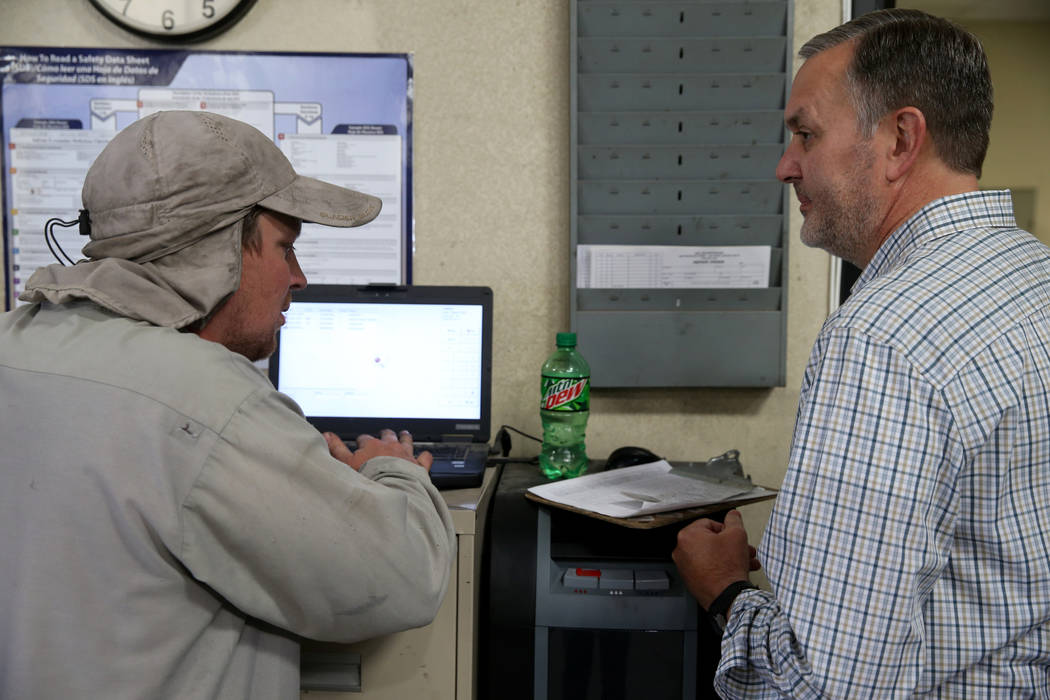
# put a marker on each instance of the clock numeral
(206, 8)
(127, 4)
(168, 19)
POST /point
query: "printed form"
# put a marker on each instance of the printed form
(369, 162)
(47, 168)
(671, 267)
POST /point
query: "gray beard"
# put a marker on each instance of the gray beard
(845, 222)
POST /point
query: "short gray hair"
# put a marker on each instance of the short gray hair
(909, 58)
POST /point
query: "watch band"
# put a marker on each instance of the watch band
(719, 608)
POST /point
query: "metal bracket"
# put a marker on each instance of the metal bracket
(723, 469)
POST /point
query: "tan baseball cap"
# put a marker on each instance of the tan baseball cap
(166, 201)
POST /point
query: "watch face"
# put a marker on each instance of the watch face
(174, 20)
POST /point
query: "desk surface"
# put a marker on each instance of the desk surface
(463, 503)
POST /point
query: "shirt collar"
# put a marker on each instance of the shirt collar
(941, 217)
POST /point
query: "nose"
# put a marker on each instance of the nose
(788, 170)
(298, 276)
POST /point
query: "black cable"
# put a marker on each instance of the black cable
(501, 443)
(49, 236)
(513, 460)
(507, 427)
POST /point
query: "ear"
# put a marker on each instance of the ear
(909, 134)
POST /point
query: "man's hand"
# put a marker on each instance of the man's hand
(387, 444)
(711, 555)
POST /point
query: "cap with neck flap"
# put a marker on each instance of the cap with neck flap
(166, 199)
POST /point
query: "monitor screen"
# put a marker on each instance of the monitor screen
(383, 359)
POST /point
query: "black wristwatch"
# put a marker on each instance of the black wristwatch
(719, 609)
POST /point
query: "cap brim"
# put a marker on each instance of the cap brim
(319, 202)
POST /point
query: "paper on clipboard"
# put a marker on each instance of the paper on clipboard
(640, 490)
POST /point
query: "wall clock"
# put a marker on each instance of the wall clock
(174, 20)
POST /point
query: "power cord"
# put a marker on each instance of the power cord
(513, 460)
(501, 443)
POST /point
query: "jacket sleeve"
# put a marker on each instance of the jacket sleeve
(290, 535)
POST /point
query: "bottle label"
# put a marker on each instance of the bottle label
(566, 394)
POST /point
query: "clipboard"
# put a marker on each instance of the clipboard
(724, 469)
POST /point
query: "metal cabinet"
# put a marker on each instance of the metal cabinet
(436, 661)
(676, 132)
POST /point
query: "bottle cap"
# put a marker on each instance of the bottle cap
(566, 340)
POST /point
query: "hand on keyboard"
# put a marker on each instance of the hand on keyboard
(368, 446)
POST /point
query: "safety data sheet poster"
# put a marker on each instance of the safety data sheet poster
(342, 118)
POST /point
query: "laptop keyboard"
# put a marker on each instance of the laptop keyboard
(453, 452)
(444, 450)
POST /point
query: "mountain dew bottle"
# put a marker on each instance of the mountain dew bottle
(564, 408)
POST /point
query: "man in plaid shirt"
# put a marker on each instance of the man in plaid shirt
(909, 549)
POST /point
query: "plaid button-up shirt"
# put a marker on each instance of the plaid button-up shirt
(909, 549)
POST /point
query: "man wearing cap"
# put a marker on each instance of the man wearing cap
(169, 523)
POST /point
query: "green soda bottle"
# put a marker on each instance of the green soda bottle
(564, 408)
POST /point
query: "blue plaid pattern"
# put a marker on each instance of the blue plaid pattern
(909, 549)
